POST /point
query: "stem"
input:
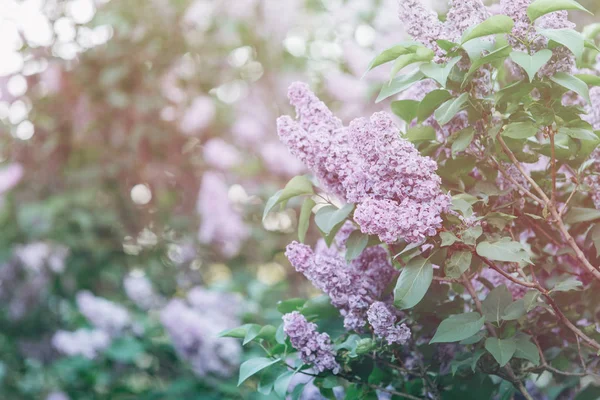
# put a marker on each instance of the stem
(555, 214)
(553, 165)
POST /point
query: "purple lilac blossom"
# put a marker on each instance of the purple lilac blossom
(82, 342)
(383, 321)
(195, 338)
(593, 179)
(315, 348)
(139, 290)
(562, 59)
(462, 15)
(221, 155)
(103, 314)
(198, 116)
(57, 396)
(352, 287)
(397, 190)
(10, 176)
(421, 23)
(221, 225)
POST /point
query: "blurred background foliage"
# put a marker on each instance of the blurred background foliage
(111, 113)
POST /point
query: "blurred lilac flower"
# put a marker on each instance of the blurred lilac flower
(82, 342)
(103, 314)
(221, 155)
(221, 225)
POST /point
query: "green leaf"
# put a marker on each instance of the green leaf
(282, 383)
(254, 365)
(526, 349)
(422, 54)
(495, 303)
(448, 239)
(297, 186)
(405, 109)
(514, 311)
(567, 285)
(328, 217)
(413, 283)
(438, 72)
(251, 333)
(356, 243)
(578, 133)
(450, 108)
(478, 48)
(491, 26)
(520, 130)
(569, 38)
(495, 55)
(572, 83)
(238, 333)
(304, 219)
(580, 214)
(463, 140)
(501, 349)
(471, 235)
(530, 299)
(392, 53)
(125, 349)
(398, 85)
(531, 64)
(289, 305)
(503, 250)
(542, 7)
(420, 134)
(476, 338)
(458, 263)
(591, 80)
(431, 102)
(458, 327)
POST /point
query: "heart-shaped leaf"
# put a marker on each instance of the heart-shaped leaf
(494, 25)
(542, 7)
(531, 64)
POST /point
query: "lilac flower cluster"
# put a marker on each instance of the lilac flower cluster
(26, 278)
(352, 287)
(315, 348)
(105, 315)
(139, 290)
(396, 189)
(194, 330)
(421, 23)
(221, 225)
(462, 15)
(82, 342)
(221, 155)
(383, 321)
(562, 59)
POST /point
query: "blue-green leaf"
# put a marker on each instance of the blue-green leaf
(494, 25)
(531, 64)
(501, 349)
(413, 283)
(542, 7)
(254, 365)
(458, 327)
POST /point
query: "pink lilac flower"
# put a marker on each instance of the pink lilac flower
(105, 315)
(278, 160)
(383, 321)
(195, 338)
(221, 155)
(462, 15)
(139, 290)
(352, 287)
(396, 189)
(82, 342)
(221, 225)
(10, 176)
(421, 23)
(198, 116)
(315, 348)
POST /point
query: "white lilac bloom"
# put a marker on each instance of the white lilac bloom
(195, 337)
(82, 342)
(139, 290)
(221, 155)
(221, 224)
(103, 314)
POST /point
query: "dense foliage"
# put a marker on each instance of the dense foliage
(448, 249)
